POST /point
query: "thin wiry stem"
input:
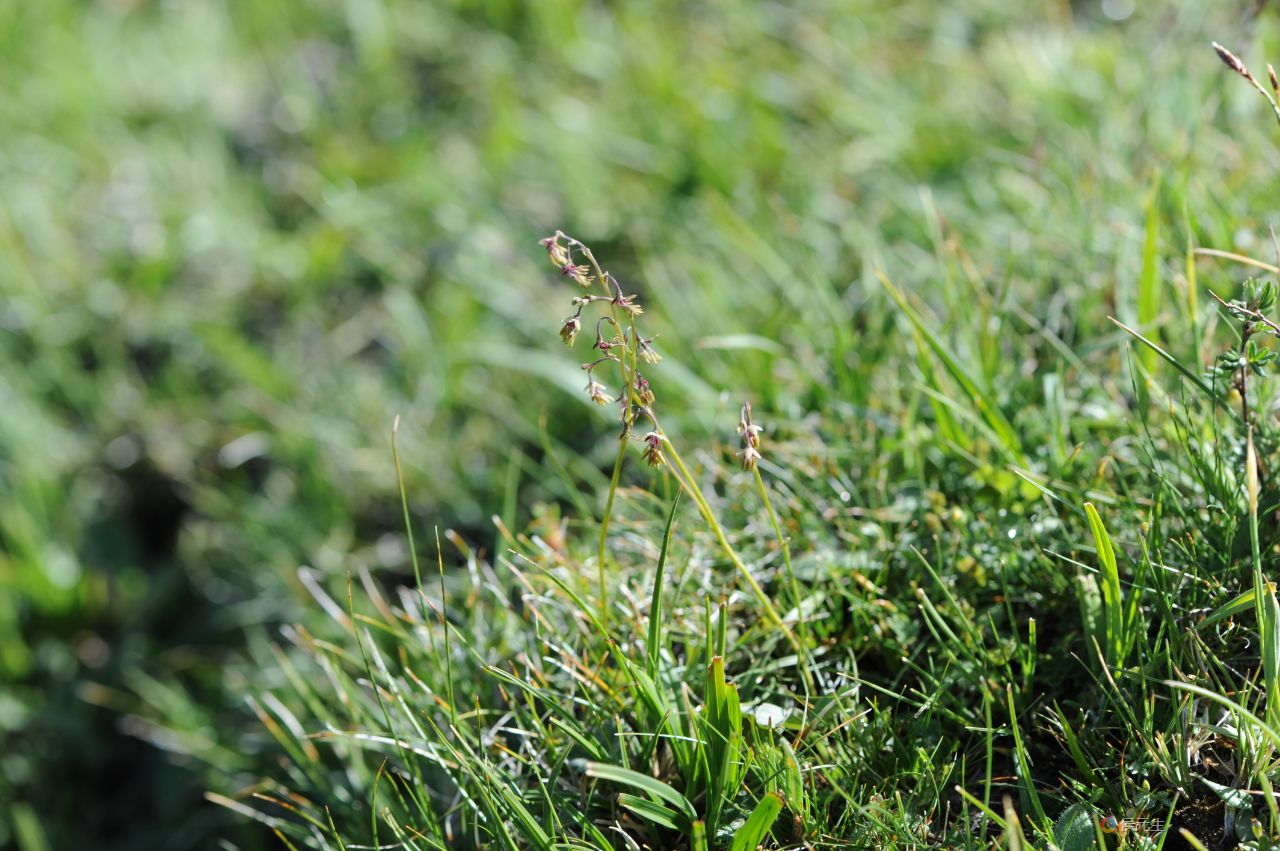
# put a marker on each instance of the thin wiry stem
(785, 544)
(604, 529)
(691, 487)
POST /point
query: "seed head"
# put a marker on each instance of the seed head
(750, 431)
(569, 330)
(653, 449)
(1232, 61)
(750, 439)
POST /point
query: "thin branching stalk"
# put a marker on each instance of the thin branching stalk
(637, 401)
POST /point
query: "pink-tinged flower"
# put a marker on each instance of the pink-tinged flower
(628, 304)
(558, 253)
(653, 449)
(597, 393)
(643, 391)
(581, 274)
(569, 330)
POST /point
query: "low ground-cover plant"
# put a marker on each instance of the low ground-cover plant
(931, 441)
(905, 694)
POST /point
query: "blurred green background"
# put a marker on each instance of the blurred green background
(237, 239)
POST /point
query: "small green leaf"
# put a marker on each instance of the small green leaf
(1073, 831)
(659, 814)
(655, 603)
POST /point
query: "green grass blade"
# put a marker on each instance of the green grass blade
(654, 646)
(1116, 643)
(986, 406)
(1236, 605)
(1195, 379)
(1024, 765)
(1271, 734)
(649, 785)
(659, 814)
(758, 824)
(1148, 281)
(699, 836)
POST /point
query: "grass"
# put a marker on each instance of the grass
(1019, 557)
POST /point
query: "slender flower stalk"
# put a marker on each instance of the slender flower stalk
(750, 461)
(626, 348)
(1233, 62)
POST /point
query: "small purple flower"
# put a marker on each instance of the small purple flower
(581, 274)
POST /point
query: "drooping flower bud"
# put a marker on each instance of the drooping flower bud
(569, 330)
(558, 253)
(653, 449)
(643, 391)
(581, 274)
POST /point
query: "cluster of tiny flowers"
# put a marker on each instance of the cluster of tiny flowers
(561, 259)
(623, 345)
(750, 439)
(597, 392)
(653, 449)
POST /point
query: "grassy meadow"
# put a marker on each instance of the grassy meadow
(990, 564)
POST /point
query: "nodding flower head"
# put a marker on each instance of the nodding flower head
(653, 449)
(643, 391)
(597, 393)
(558, 253)
(646, 352)
(569, 330)
(627, 303)
(581, 274)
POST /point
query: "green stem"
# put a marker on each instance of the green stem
(622, 444)
(604, 530)
(786, 549)
(704, 508)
